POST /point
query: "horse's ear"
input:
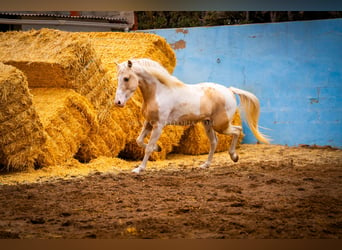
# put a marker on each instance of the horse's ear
(129, 63)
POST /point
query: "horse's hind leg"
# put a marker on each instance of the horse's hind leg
(235, 132)
(213, 142)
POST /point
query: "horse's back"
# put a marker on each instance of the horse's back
(216, 90)
(218, 96)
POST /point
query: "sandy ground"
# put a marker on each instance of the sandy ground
(272, 192)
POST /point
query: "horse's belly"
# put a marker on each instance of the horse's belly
(185, 120)
(186, 115)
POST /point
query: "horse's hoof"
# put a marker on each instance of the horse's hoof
(205, 165)
(234, 157)
(136, 170)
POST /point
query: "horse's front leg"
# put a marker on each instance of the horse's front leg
(150, 147)
(146, 130)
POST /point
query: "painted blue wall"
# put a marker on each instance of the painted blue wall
(294, 68)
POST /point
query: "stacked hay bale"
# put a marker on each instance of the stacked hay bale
(115, 47)
(45, 128)
(21, 132)
(56, 59)
(67, 118)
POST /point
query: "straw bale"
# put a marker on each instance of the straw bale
(118, 47)
(58, 59)
(194, 140)
(118, 127)
(67, 118)
(21, 132)
(108, 140)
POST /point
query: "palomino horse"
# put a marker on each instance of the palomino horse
(167, 101)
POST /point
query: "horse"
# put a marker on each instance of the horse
(169, 101)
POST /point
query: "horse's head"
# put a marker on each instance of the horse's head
(128, 82)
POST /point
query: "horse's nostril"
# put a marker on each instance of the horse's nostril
(118, 103)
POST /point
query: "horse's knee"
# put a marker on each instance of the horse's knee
(213, 144)
(233, 130)
(215, 140)
(140, 142)
(150, 148)
(236, 130)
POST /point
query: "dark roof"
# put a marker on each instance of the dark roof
(40, 15)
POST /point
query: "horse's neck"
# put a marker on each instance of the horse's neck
(168, 80)
(148, 89)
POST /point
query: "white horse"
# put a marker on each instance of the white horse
(167, 101)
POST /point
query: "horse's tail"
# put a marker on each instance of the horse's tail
(251, 107)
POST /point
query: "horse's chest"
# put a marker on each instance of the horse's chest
(150, 110)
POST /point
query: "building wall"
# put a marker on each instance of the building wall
(294, 68)
(127, 15)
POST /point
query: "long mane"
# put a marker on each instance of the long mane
(164, 77)
(159, 72)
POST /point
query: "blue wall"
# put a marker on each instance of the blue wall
(294, 68)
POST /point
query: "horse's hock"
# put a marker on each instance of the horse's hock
(56, 99)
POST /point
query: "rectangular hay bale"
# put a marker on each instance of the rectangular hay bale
(58, 59)
(21, 132)
(40, 127)
(67, 118)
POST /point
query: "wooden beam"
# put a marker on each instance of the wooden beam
(118, 26)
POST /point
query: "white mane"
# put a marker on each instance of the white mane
(157, 70)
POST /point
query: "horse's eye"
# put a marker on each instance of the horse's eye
(126, 79)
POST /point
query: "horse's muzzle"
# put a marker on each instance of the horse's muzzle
(119, 104)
